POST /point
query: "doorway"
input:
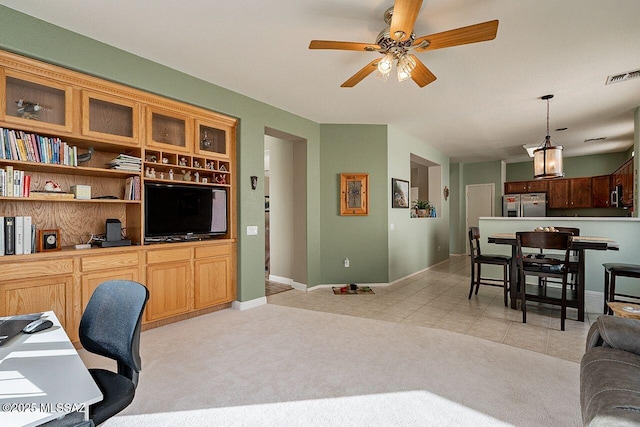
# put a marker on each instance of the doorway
(479, 203)
(285, 211)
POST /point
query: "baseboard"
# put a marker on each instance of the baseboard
(247, 305)
(418, 272)
(286, 281)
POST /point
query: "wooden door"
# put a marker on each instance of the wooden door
(559, 194)
(212, 282)
(580, 192)
(538, 186)
(515, 187)
(169, 289)
(601, 191)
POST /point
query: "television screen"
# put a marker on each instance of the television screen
(180, 210)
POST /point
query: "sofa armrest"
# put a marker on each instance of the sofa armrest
(616, 332)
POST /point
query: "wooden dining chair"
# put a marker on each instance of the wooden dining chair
(573, 259)
(544, 266)
(478, 258)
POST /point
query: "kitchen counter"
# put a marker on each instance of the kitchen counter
(625, 231)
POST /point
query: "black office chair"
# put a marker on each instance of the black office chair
(544, 266)
(110, 327)
(478, 258)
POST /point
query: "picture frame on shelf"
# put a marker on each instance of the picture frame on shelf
(354, 194)
(399, 193)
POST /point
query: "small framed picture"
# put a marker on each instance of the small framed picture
(48, 240)
(399, 193)
(354, 197)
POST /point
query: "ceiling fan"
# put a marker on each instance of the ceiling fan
(397, 41)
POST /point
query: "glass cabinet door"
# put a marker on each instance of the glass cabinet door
(211, 140)
(37, 103)
(110, 118)
(169, 130)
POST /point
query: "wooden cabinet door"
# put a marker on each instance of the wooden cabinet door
(601, 191)
(515, 187)
(580, 192)
(34, 296)
(212, 282)
(538, 186)
(558, 194)
(170, 290)
(627, 183)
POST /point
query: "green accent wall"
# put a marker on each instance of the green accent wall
(362, 239)
(31, 37)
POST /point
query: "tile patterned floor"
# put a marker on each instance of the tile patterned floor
(437, 298)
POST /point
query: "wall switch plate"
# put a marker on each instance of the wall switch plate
(346, 262)
(252, 230)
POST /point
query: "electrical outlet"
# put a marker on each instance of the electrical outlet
(346, 262)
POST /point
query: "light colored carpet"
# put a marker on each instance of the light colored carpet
(277, 366)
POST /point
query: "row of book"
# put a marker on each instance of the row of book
(31, 147)
(17, 235)
(14, 183)
(132, 188)
(126, 162)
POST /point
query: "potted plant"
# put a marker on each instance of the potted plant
(422, 207)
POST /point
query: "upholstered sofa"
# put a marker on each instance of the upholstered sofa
(610, 373)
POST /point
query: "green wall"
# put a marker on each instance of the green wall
(31, 37)
(415, 243)
(362, 239)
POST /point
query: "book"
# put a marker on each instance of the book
(9, 238)
(3, 183)
(52, 195)
(16, 183)
(26, 191)
(9, 180)
(19, 235)
(27, 239)
(1, 236)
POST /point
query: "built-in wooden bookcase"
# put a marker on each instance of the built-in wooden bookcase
(47, 107)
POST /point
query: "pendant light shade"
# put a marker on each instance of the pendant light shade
(547, 159)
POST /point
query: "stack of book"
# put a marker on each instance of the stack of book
(126, 162)
(17, 235)
(14, 183)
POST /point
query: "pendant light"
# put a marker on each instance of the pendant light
(547, 159)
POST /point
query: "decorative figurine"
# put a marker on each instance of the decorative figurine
(147, 172)
(171, 174)
(151, 158)
(196, 177)
(205, 144)
(221, 179)
(196, 164)
(182, 162)
(161, 175)
(223, 168)
(210, 165)
(186, 175)
(52, 186)
(153, 173)
(205, 180)
(165, 160)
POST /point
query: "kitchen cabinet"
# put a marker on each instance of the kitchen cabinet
(570, 193)
(623, 176)
(601, 191)
(534, 186)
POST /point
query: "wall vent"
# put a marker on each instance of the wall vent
(616, 78)
(602, 138)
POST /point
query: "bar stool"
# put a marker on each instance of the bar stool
(478, 258)
(613, 270)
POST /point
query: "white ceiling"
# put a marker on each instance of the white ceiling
(484, 106)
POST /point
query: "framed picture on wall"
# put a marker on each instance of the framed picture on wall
(354, 194)
(399, 193)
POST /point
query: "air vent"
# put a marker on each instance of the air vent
(595, 139)
(616, 78)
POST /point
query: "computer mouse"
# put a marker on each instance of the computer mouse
(37, 325)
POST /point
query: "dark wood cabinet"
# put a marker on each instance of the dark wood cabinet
(570, 193)
(516, 187)
(623, 176)
(558, 194)
(601, 191)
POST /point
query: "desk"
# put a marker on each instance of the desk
(43, 378)
(580, 244)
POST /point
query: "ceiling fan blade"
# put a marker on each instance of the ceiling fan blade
(421, 74)
(405, 13)
(360, 75)
(472, 34)
(328, 44)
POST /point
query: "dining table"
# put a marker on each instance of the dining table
(580, 245)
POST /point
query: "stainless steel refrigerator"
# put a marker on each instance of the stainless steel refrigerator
(526, 204)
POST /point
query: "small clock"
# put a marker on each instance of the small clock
(48, 240)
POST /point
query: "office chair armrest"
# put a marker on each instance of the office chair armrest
(616, 332)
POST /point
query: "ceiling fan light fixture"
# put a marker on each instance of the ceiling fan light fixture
(405, 66)
(547, 159)
(385, 65)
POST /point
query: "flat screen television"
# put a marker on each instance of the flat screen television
(181, 211)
